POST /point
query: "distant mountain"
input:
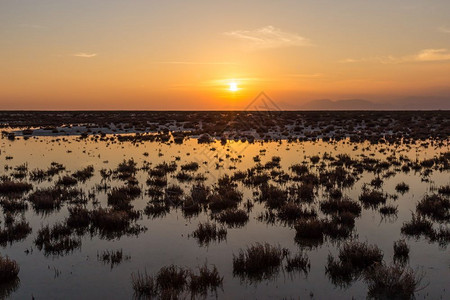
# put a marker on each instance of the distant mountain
(350, 104)
(408, 103)
(419, 103)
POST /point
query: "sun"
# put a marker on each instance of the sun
(233, 87)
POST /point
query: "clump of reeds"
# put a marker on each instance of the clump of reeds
(435, 206)
(305, 192)
(402, 187)
(192, 166)
(126, 169)
(13, 205)
(79, 217)
(157, 181)
(417, 226)
(291, 212)
(206, 280)
(14, 231)
(144, 285)
(300, 262)
(183, 176)
(190, 207)
(200, 193)
(14, 187)
(173, 194)
(207, 232)
(84, 174)
(371, 199)
(259, 261)
(299, 169)
(388, 210)
(273, 196)
(392, 282)
(401, 251)
(9, 270)
(120, 197)
(340, 205)
(67, 181)
(156, 209)
(354, 258)
(233, 217)
(309, 229)
(110, 219)
(444, 190)
(171, 281)
(57, 240)
(112, 257)
(46, 199)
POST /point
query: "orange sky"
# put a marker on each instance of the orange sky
(184, 54)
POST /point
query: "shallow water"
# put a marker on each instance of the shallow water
(167, 240)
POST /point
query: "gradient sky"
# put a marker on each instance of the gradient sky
(142, 54)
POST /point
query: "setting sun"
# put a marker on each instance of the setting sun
(233, 87)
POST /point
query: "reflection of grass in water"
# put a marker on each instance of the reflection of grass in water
(301, 194)
(8, 187)
(7, 288)
(354, 258)
(435, 206)
(14, 231)
(112, 257)
(392, 282)
(208, 232)
(172, 282)
(233, 217)
(401, 251)
(258, 262)
(9, 269)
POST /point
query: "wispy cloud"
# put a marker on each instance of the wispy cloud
(85, 55)
(426, 55)
(444, 29)
(269, 37)
(192, 63)
(433, 55)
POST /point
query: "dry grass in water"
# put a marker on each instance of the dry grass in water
(172, 281)
(112, 257)
(207, 232)
(9, 270)
(392, 282)
(233, 217)
(354, 258)
(258, 262)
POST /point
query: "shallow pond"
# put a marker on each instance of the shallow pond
(167, 239)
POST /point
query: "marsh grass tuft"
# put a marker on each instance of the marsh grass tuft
(300, 262)
(14, 231)
(392, 282)
(9, 269)
(402, 187)
(14, 187)
(207, 232)
(354, 258)
(417, 226)
(259, 261)
(112, 257)
(171, 281)
(233, 217)
(372, 199)
(435, 206)
(401, 251)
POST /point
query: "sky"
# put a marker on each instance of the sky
(209, 55)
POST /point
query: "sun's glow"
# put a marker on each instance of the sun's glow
(233, 86)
